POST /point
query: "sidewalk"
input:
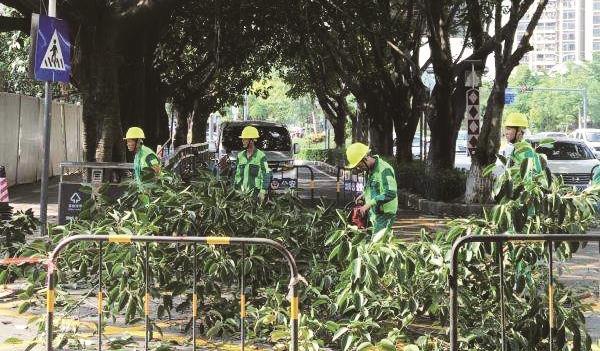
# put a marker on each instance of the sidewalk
(26, 196)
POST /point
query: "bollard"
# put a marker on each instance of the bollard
(5, 209)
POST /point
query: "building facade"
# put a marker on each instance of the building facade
(568, 31)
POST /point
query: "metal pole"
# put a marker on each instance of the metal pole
(100, 296)
(585, 106)
(172, 136)
(550, 296)
(46, 142)
(421, 141)
(46, 159)
(453, 283)
(243, 300)
(502, 317)
(194, 298)
(245, 105)
(49, 309)
(146, 299)
(294, 309)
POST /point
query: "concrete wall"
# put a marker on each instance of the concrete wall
(21, 122)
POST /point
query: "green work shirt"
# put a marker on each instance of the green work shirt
(145, 158)
(252, 174)
(524, 150)
(596, 176)
(381, 191)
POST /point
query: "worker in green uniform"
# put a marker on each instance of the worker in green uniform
(252, 171)
(380, 192)
(516, 149)
(145, 158)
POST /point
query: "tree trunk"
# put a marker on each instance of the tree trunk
(181, 131)
(200, 118)
(142, 102)
(479, 188)
(96, 64)
(443, 128)
(406, 126)
(360, 125)
(381, 125)
(339, 132)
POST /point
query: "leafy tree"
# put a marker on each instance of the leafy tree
(508, 50)
(557, 111)
(271, 100)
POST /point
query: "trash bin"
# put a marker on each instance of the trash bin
(73, 194)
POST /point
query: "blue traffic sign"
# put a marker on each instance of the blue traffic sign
(52, 50)
(509, 97)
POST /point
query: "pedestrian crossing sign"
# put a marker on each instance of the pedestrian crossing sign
(53, 59)
(52, 50)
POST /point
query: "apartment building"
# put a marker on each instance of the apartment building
(568, 31)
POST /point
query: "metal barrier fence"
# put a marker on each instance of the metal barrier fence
(186, 158)
(311, 184)
(348, 184)
(500, 240)
(127, 239)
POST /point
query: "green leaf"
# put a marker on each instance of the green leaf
(339, 333)
(363, 345)
(349, 341)
(387, 345)
(24, 307)
(379, 235)
(13, 341)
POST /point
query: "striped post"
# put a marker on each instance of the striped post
(5, 209)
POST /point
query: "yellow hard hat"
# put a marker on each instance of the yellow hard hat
(134, 133)
(249, 132)
(355, 153)
(516, 119)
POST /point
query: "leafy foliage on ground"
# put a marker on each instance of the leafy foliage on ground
(363, 290)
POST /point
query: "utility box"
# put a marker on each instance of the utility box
(73, 193)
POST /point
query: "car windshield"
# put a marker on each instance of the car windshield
(592, 136)
(566, 151)
(271, 138)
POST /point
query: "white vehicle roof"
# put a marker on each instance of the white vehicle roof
(587, 130)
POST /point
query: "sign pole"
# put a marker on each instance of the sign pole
(46, 145)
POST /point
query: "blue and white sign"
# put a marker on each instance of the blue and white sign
(284, 183)
(509, 97)
(52, 50)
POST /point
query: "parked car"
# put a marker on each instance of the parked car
(546, 135)
(590, 136)
(275, 141)
(570, 159)
(416, 146)
(461, 142)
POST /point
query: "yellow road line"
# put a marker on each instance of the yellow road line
(9, 309)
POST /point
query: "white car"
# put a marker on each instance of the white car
(589, 136)
(570, 159)
(461, 142)
(545, 135)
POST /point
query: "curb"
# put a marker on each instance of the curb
(325, 167)
(439, 208)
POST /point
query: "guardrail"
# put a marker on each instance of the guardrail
(311, 184)
(340, 187)
(186, 158)
(52, 265)
(548, 239)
